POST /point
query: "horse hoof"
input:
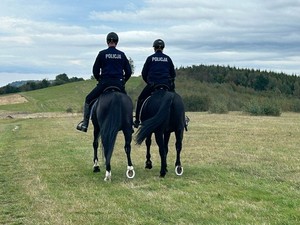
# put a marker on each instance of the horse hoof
(179, 170)
(148, 165)
(107, 176)
(107, 179)
(130, 173)
(162, 174)
(96, 169)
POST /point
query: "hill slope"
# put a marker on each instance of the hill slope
(197, 96)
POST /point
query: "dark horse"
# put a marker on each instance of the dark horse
(163, 113)
(112, 113)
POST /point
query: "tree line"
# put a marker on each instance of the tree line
(257, 80)
(279, 83)
(34, 85)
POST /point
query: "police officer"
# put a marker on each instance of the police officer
(158, 70)
(111, 68)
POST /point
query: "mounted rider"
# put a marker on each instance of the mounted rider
(111, 68)
(158, 70)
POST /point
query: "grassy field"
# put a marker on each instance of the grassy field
(238, 169)
(64, 97)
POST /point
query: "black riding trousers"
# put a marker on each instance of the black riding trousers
(101, 86)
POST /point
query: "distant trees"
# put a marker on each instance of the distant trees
(296, 92)
(222, 88)
(131, 64)
(61, 79)
(258, 80)
(34, 85)
(215, 89)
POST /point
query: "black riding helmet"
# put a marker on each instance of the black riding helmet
(158, 44)
(112, 37)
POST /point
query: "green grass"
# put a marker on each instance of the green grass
(197, 96)
(54, 99)
(64, 97)
(238, 169)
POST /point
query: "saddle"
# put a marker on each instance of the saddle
(111, 89)
(157, 87)
(106, 90)
(161, 87)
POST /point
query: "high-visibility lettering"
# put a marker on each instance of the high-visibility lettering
(113, 56)
(160, 59)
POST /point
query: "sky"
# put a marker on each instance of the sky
(40, 39)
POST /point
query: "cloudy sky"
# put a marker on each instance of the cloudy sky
(43, 38)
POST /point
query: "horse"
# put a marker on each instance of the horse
(162, 113)
(112, 113)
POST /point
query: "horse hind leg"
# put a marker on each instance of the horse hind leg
(178, 146)
(96, 167)
(130, 173)
(160, 142)
(107, 156)
(148, 163)
(167, 136)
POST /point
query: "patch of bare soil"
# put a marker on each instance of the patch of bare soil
(15, 99)
(12, 99)
(24, 115)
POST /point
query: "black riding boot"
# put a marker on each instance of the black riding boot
(83, 125)
(136, 123)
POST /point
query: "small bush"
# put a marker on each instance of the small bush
(218, 107)
(263, 108)
(69, 110)
(196, 103)
(296, 106)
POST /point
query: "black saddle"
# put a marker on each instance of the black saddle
(157, 87)
(161, 87)
(106, 90)
(112, 89)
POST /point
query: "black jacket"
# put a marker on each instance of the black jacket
(158, 69)
(112, 63)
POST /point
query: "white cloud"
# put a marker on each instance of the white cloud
(58, 37)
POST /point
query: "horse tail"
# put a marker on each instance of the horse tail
(162, 116)
(111, 125)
